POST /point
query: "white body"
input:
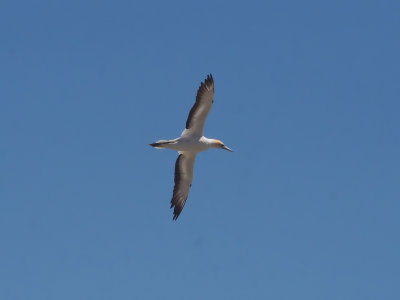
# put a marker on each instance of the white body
(190, 144)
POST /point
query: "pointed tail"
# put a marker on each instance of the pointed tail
(161, 144)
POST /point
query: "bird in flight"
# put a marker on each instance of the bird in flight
(191, 142)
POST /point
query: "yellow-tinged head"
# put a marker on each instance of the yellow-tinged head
(220, 145)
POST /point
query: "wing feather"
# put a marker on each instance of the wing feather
(183, 181)
(199, 112)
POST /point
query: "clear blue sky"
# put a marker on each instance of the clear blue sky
(307, 94)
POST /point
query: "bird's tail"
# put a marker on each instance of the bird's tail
(161, 144)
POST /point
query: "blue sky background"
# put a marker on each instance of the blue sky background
(307, 94)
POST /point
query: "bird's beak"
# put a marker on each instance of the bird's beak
(226, 148)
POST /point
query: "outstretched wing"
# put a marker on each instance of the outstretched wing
(183, 181)
(198, 114)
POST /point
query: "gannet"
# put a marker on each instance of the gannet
(191, 142)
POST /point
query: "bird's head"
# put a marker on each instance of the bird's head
(220, 145)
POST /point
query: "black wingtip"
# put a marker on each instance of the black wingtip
(209, 79)
(176, 212)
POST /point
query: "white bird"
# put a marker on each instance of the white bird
(190, 143)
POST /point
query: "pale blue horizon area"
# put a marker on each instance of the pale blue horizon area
(306, 94)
